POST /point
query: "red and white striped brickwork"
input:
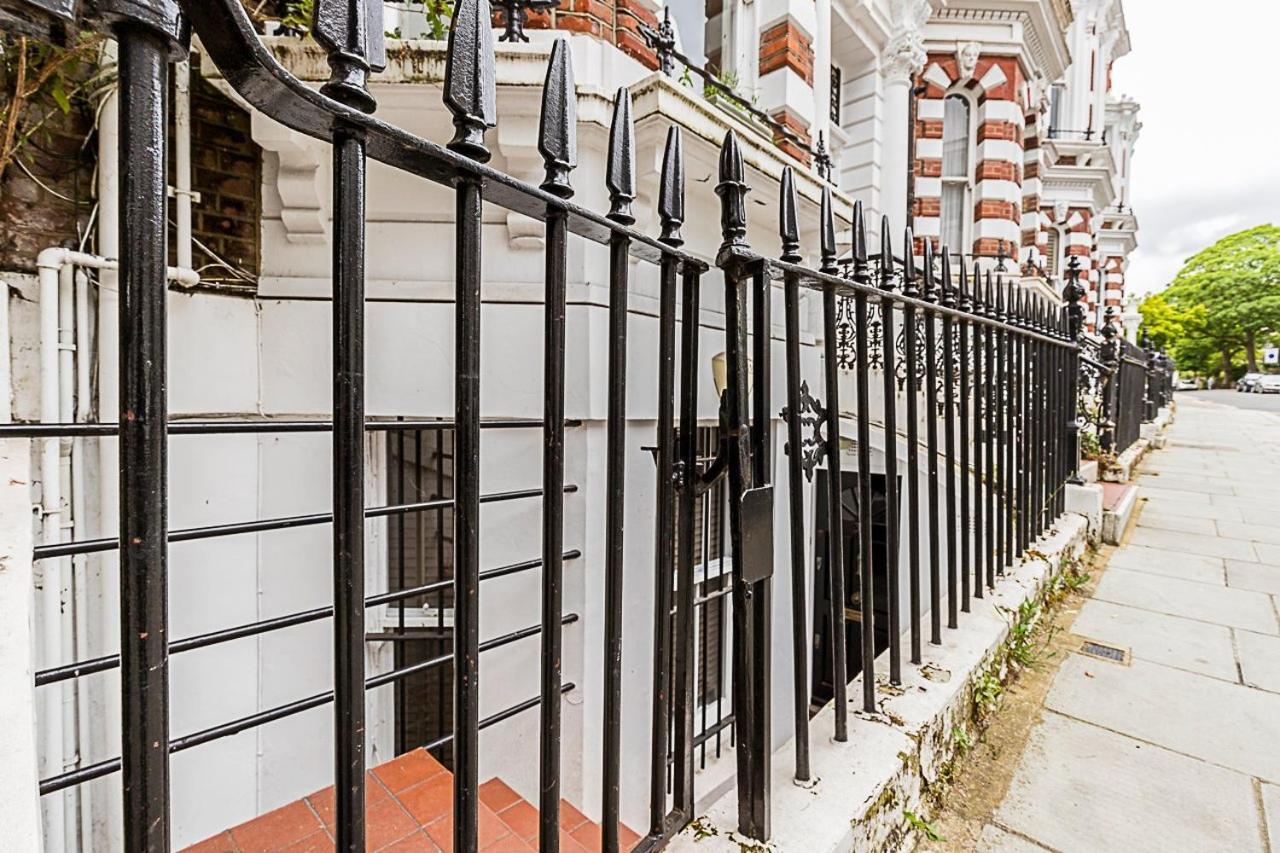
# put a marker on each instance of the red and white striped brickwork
(995, 91)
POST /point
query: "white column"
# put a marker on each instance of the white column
(822, 73)
(904, 58)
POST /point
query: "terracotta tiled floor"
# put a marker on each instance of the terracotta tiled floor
(409, 804)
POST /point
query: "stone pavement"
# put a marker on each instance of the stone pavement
(1179, 750)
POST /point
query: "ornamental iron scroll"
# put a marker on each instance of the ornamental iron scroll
(900, 346)
(813, 446)
(515, 15)
(846, 340)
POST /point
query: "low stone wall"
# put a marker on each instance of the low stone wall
(865, 790)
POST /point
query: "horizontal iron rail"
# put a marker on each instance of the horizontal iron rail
(237, 427)
(53, 675)
(92, 546)
(505, 714)
(105, 768)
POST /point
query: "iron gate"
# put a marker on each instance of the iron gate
(980, 358)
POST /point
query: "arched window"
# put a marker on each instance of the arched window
(956, 176)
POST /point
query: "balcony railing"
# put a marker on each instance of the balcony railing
(663, 41)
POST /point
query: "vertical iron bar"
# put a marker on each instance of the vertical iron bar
(664, 545)
(144, 658)
(1000, 422)
(466, 521)
(684, 670)
(931, 446)
(348, 486)
(891, 491)
(620, 178)
(866, 573)
(966, 511)
(989, 337)
(757, 738)
(402, 703)
(835, 520)
(1011, 432)
(913, 443)
(979, 438)
(795, 478)
(949, 439)
(557, 239)
(615, 503)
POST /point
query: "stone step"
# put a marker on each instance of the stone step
(409, 807)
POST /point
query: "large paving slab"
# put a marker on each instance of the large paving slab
(1259, 661)
(1193, 543)
(1228, 725)
(1237, 608)
(1155, 518)
(1210, 485)
(1250, 532)
(1176, 564)
(1169, 640)
(1271, 807)
(1262, 577)
(1269, 554)
(1081, 788)
(1191, 509)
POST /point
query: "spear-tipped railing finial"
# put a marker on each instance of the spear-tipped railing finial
(861, 270)
(620, 170)
(558, 129)
(909, 287)
(827, 231)
(470, 78)
(353, 35)
(732, 190)
(930, 278)
(671, 189)
(788, 224)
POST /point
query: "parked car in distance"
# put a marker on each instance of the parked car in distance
(1246, 382)
(1268, 384)
(1187, 385)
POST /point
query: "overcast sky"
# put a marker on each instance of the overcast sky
(1208, 159)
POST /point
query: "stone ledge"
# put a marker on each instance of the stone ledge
(1118, 508)
(861, 788)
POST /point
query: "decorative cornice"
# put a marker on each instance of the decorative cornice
(1044, 44)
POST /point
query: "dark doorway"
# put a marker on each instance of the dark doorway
(823, 690)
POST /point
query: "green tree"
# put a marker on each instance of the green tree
(1236, 283)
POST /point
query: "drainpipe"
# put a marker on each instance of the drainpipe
(182, 161)
(80, 562)
(52, 698)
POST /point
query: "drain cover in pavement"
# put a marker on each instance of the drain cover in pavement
(1105, 652)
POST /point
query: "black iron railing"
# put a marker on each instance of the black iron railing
(989, 369)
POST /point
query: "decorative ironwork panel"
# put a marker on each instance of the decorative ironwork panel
(813, 446)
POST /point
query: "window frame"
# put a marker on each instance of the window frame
(968, 180)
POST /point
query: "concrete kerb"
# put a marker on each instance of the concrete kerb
(1116, 520)
(863, 788)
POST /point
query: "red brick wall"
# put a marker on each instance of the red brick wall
(615, 21)
(227, 173)
(784, 46)
(31, 217)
